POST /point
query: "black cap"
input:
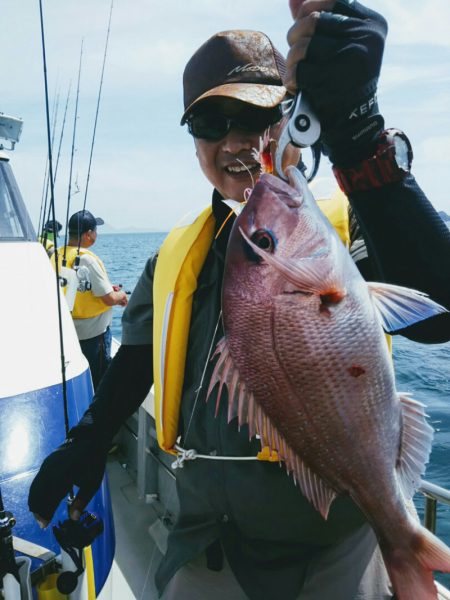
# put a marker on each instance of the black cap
(83, 221)
(51, 226)
(237, 64)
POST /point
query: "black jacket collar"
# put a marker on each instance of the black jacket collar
(221, 211)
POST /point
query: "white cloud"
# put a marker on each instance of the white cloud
(401, 74)
(144, 166)
(435, 151)
(415, 21)
(145, 187)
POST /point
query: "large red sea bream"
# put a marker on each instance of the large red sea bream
(307, 366)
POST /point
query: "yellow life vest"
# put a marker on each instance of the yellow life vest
(86, 304)
(336, 211)
(180, 260)
(48, 245)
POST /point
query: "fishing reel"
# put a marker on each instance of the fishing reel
(84, 280)
(7, 558)
(73, 537)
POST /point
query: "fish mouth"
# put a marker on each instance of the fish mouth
(297, 180)
(290, 195)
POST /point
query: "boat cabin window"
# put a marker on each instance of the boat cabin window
(15, 223)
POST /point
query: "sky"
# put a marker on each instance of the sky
(144, 171)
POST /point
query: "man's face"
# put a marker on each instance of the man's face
(228, 162)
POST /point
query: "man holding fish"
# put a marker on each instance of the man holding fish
(298, 350)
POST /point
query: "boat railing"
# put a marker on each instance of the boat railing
(433, 494)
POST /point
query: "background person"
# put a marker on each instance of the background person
(92, 311)
(244, 529)
(48, 235)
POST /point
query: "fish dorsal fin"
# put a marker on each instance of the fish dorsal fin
(415, 447)
(241, 404)
(399, 307)
(225, 373)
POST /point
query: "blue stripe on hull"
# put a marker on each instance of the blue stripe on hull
(31, 426)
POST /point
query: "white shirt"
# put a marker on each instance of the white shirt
(100, 286)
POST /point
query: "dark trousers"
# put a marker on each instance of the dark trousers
(97, 350)
(352, 569)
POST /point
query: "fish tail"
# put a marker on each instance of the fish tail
(411, 569)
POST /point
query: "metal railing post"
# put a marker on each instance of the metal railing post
(433, 494)
(429, 519)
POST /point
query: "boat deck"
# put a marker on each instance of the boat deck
(140, 534)
(141, 537)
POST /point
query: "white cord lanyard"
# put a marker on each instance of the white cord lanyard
(191, 454)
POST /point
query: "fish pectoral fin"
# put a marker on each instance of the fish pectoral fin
(310, 275)
(415, 448)
(240, 399)
(399, 307)
(313, 487)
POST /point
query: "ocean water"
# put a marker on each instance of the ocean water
(124, 256)
(422, 369)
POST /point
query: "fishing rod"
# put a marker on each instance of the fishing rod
(62, 130)
(69, 275)
(57, 162)
(44, 183)
(44, 195)
(52, 204)
(72, 536)
(69, 193)
(61, 136)
(96, 116)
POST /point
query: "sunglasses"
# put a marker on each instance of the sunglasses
(214, 126)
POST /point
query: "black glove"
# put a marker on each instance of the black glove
(81, 459)
(340, 75)
(78, 461)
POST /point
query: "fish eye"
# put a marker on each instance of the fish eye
(264, 240)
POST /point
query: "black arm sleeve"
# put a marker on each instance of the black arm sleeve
(122, 390)
(358, 248)
(408, 244)
(129, 377)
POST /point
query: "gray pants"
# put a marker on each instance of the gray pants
(351, 570)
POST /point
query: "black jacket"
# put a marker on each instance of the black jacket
(267, 528)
